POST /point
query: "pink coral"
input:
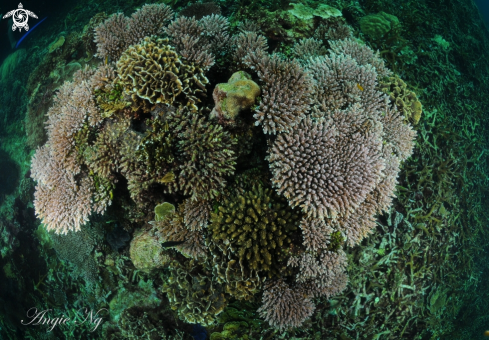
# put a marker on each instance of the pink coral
(328, 167)
(286, 92)
(283, 306)
(118, 32)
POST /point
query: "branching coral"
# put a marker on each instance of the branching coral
(118, 32)
(286, 92)
(172, 229)
(204, 154)
(321, 275)
(307, 48)
(340, 82)
(328, 167)
(153, 71)
(65, 196)
(283, 306)
(255, 229)
(248, 42)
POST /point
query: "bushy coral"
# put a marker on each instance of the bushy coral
(204, 155)
(284, 306)
(286, 92)
(117, 33)
(327, 167)
(255, 229)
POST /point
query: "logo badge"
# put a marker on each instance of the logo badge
(20, 17)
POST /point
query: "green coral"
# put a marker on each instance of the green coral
(163, 210)
(255, 229)
(193, 293)
(146, 252)
(204, 153)
(155, 150)
(378, 25)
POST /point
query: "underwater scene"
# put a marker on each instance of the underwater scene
(244, 169)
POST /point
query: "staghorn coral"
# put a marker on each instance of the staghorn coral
(399, 135)
(406, 101)
(322, 274)
(248, 26)
(248, 42)
(284, 306)
(153, 71)
(193, 293)
(286, 92)
(204, 155)
(65, 195)
(191, 40)
(117, 33)
(307, 48)
(315, 233)
(340, 82)
(255, 229)
(196, 214)
(327, 167)
(362, 54)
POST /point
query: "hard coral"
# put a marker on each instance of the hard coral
(193, 293)
(406, 101)
(255, 229)
(204, 155)
(117, 33)
(327, 167)
(286, 92)
(153, 71)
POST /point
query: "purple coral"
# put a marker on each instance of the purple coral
(322, 274)
(117, 33)
(327, 167)
(340, 82)
(65, 195)
(286, 91)
(283, 306)
(362, 54)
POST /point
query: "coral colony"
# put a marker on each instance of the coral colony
(258, 193)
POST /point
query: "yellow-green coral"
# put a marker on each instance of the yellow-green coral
(255, 229)
(163, 210)
(153, 71)
(146, 252)
(378, 25)
(406, 101)
(193, 293)
(235, 96)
